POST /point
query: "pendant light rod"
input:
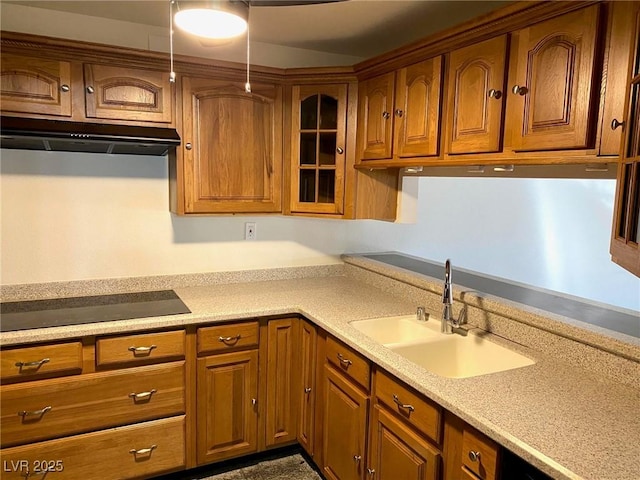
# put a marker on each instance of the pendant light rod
(172, 75)
(247, 86)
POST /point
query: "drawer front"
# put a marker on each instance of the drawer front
(231, 336)
(48, 409)
(479, 454)
(34, 362)
(417, 410)
(349, 362)
(133, 451)
(142, 348)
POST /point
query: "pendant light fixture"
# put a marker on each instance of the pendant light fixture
(215, 19)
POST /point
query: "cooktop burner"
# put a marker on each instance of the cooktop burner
(79, 310)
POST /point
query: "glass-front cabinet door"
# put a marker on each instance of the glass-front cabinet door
(318, 148)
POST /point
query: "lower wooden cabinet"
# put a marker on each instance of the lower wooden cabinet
(306, 388)
(396, 451)
(227, 410)
(345, 428)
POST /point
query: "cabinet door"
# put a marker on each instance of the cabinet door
(417, 109)
(36, 85)
(625, 240)
(121, 93)
(397, 452)
(551, 95)
(476, 97)
(319, 123)
(227, 416)
(232, 147)
(345, 427)
(307, 392)
(375, 117)
(281, 415)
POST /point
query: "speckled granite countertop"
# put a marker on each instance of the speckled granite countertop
(570, 423)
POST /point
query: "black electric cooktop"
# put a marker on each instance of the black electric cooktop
(79, 310)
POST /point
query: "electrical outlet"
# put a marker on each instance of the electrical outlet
(250, 231)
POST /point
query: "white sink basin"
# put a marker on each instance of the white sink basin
(452, 356)
(403, 329)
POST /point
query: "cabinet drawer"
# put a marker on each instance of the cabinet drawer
(348, 361)
(417, 410)
(33, 362)
(220, 338)
(47, 409)
(134, 451)
(479, 454)
(144, 347)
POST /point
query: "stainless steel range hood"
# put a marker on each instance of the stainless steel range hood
(67, 136)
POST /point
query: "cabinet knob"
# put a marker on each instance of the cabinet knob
(386, 115)
(399, 113)
(474, 456)
(357, 458)
(340, 150)
(518, 90)
(254, 402)
(90, 89)
(371, 472)
(307, 390)
(615, 123)
(64, 87)
(493, 93)
(188, 146)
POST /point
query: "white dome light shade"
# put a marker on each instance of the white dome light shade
(210, 23)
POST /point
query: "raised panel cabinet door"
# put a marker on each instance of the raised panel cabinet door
(231, 147)
(318, 148)
(307, 393)
(281, 415)
(476, 97)
(417, 109)
(375, 117)
(121, 93)
(35, 85)
(397, 452)
(227, 415)
(344, 429)
(551, 93)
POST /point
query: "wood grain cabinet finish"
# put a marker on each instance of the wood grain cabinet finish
(118, 93)
(227, 410)
(349, 362)
(36, 85)
(375, 117)
(123, 350)
(35, 411)
(345, 428)
(551, 97)
(32, 363)
(232, 147)
(280, 418)
(398, 452)
(476, 97)
(480, 454)
(135, 451)
(625, 238)
(306, 393)
(228, 337)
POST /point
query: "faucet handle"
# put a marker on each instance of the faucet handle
(421, 314)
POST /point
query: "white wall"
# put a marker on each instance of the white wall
(70, 216)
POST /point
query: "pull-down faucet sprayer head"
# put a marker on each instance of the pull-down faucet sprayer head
(447, 293)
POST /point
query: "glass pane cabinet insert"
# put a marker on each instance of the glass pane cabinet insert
(318, 148)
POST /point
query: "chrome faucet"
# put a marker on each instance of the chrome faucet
(448, 322)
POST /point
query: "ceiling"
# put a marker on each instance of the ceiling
(360, 28)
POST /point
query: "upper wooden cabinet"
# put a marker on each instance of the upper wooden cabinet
(36, 85)
(231, 147)
(476, 97)
(625, 241)
(399, 112)
(551, 99)
(120, 93)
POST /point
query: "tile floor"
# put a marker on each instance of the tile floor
(290, 466)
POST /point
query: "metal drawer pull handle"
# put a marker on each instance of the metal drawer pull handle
(142, 395)
(229, 339)
(474, 456)
(357, 458)
(34, 413)
(307, 390)
(142, 350)
(407, 406)
(143, 451)
(37, 363)
(344, 361)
